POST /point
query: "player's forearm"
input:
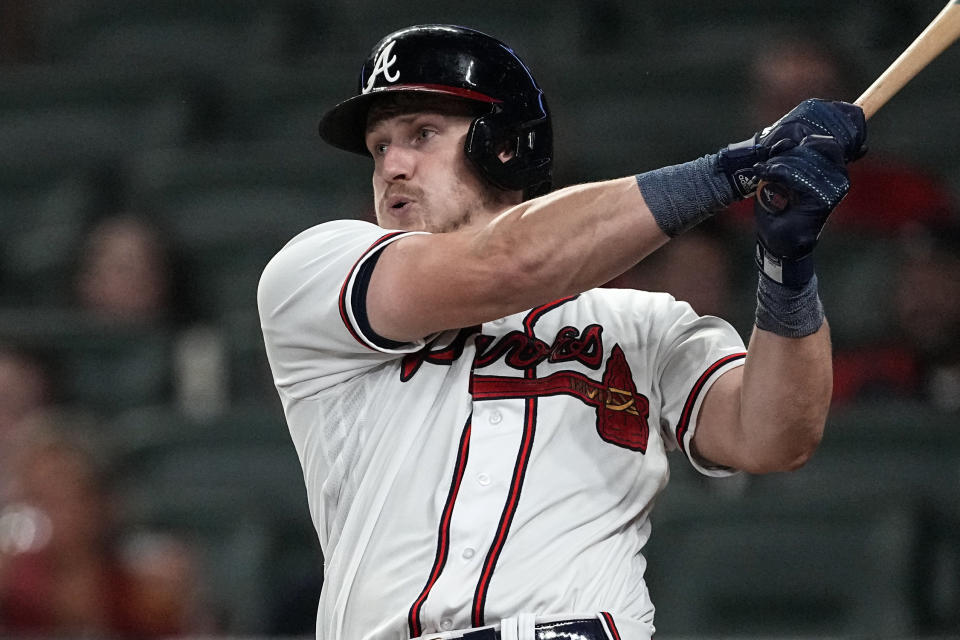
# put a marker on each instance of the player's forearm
(540, 250)
(784, 400)
(560, 244)
(572, 240)
(582, 236)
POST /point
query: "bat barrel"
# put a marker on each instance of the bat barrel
(939, 34)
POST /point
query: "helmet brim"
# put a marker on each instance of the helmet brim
(345, 125)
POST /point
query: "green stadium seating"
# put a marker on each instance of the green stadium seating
(231, 485)
(745, 567)
(86, 117)
(164, 33)
(101, 367)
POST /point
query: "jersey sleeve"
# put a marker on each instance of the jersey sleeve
(312, 304)
(694, 352)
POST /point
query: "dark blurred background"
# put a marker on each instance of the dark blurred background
(156, 153)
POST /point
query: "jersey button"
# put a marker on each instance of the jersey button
(483, 479)
(496, 417)
(446, 624)
(468, 553)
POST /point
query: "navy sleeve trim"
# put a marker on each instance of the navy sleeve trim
(358, 302)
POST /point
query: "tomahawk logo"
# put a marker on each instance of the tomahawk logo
(384, 61)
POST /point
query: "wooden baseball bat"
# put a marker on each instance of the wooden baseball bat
(942, 31)
(939, 34)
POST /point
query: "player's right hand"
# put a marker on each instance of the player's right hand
(815, 174)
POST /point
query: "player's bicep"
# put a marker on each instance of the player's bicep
(718, 439)
(424, 284)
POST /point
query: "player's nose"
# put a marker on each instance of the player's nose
(398, 163)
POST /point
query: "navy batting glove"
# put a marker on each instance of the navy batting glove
(816, 176)
(842, 121)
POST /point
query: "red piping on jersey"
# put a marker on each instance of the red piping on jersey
(343, 289)
(519, 471)
(611, 626)
(685, 415)
(443, 534)
(536, 313)
(509, 510)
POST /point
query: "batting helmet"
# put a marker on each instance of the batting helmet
(467, 64)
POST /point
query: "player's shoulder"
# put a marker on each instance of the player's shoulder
(326, 239)
(334, 231)
(308, 255)
(629, 309)
(634, 300)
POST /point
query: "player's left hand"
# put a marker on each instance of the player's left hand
(815, 174)
(842, 121)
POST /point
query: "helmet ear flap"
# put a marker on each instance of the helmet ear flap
(486, 138)
(491, 134)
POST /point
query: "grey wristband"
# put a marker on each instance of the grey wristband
(682, 195)
(788, 312)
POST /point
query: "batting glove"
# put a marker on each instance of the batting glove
(842, 121)
(816, 176)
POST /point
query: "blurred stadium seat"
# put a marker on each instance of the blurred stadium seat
(203, 34)
(242, 192)
(42, 212)
(84, 116)
(231, 485)
(855, 279)
(104, 368)
(893, 455)
(231, 207)
(250, 376)
(819, 567)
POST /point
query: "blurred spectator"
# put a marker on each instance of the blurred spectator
(796, 67)
(124, 272)
(61, 572)
(886, 193)
(166, 594)
(921, 360)
(128, 276)
(25, 387)
(17, 35)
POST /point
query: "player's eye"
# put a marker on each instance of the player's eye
(426, 133)
(380, 148)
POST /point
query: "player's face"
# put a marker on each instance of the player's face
(422, 179)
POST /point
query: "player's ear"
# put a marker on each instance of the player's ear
(506, 152)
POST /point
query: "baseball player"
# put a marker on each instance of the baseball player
(482, 430)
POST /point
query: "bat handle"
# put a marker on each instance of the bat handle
(772, 196)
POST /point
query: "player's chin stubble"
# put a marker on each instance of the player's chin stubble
(479, 199)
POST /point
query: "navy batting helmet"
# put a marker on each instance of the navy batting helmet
(467, 64)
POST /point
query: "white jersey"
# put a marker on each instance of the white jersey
(482, 473)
